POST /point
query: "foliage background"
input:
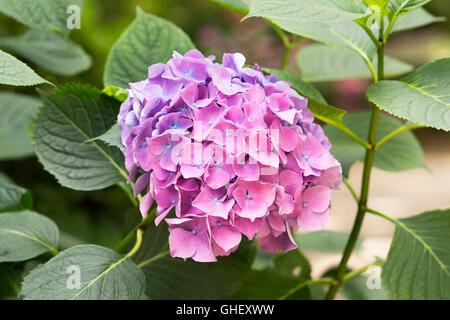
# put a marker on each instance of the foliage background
(97, 217)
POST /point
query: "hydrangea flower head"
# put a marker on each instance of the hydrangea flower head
(225, 152)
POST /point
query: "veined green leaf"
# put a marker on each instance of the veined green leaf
(319, 62)
(403, 152)
(400, 7)
(105, 275)
(302, 87)
(418, 263)
(69, 117)
(25, 235)
(48, 15)
(307, 11)
(49, 51)
(415, 19)
(16, 111)
(16, 73)
(148, 40)
(13, 197)
(422, 96)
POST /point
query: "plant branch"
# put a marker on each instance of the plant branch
(304, 284)
(354, 273)
(368, 163)
(125, 243)
(397, 132)
(137, 245)
(350, 188)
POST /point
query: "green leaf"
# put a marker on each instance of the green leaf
(16, 73)
(9, 281)
(422, 96)
(69, 117)
(148, 40)
(25, 235)
(302, 87)
(381, 4)
(401, 7)
(418, 263)
(415, 19)
(173, 278)
(307, 11)
(319, 62)
(48, 15)
(118, 93)
(16, 111)
(112, 137)
(240, 6)
(280, 279)
(49, 51)
(105, 275)
(324, 241)
(403, 152)
(13, 197)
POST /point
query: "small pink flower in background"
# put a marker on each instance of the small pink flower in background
(225, 152)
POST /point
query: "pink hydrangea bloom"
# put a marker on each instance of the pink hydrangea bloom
(225, 152)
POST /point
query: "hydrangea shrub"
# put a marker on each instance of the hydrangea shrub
(227, 167)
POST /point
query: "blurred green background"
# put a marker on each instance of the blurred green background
(98, 217)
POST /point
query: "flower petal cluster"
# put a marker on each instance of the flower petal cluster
(224, 151)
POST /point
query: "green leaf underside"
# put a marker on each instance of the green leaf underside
(403, 152)
(422, 96)
(304, 88)
(240, 6)
(148, 40)
(401, 7)
(307, 11)
(16, 111)
(319, 62)
(418, 263)
(16, 73)
(48, 15)
(25, 235)
(324, 241)
(12, 197)
(347, 35)
(69, 117)
(105, 275)
(173, 278)
(112, 137)
(415, 19)
(49, 51)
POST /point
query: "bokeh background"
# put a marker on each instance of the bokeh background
(98, 217)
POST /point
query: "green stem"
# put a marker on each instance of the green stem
(304, 284)
(126, 242)
(155, 257)
(354, 273)
(397, 132)
(368, 163)
(137, 245)
(129, 193)
(350, 188)
(285, 59)
(382, 215)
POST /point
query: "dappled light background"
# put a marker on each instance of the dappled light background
(98, 217)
